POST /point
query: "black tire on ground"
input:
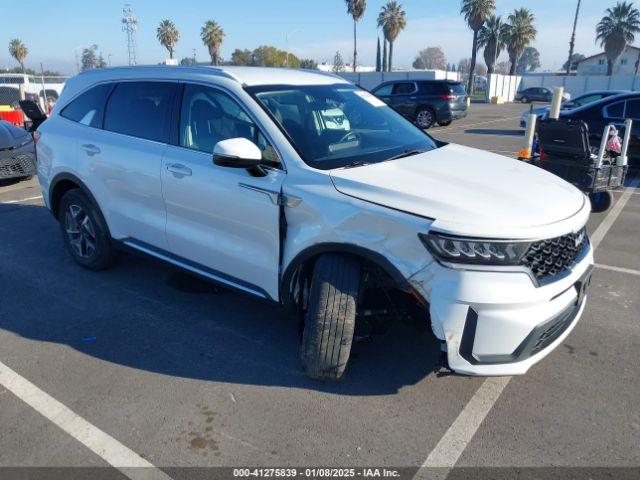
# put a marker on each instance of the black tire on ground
(601, 201)
(24, 179)
(445, 124)
(524, 100)
(425, 117)
(93, 249)
(331, 316)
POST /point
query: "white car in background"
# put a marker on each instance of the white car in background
(250, 177)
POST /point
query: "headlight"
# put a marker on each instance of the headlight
(474, 251)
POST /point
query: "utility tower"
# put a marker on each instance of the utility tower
(129, 26)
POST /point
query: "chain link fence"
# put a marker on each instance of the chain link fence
(14, 87)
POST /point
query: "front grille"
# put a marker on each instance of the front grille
(22, 165)
(548, 258)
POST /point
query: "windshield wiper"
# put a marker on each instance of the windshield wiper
(407, 153)
(358, 163)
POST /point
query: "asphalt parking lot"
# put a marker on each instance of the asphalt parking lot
(166, 371)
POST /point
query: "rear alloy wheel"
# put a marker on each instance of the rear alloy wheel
(524, 100)
(84, 232)
(425, 118)
(331, 316)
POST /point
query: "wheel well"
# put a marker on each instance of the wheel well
(60, 188)
(381, 292)
(302, 266)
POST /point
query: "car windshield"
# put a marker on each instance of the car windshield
(334, 126)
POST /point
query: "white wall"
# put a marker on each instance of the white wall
(504, 86)
(370, 80)
(579, 84)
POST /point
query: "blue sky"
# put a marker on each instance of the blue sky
(317, 28)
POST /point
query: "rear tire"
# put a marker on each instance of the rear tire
(601, 201)
(331, 316)
(425, 118)
(84, 231)
(524, 100)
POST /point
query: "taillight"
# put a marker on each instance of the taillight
(448, 97)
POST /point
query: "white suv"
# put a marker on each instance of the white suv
(303, 189)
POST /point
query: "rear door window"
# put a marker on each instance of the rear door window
(404, 88)
(633, 109)
(430, 89)
(88, 108)
(615, 110)
(141, 109)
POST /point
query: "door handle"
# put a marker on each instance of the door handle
(178, 169)
(90, 149)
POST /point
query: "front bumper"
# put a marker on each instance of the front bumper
(18, 162)
(499, 322)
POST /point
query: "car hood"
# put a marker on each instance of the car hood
(469, 192)
(536, 111)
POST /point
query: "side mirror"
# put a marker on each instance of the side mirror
(237, 153)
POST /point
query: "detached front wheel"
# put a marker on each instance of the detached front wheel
(601, 201)
(331, 316)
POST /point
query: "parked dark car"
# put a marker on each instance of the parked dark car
(17, 152)
(425, 102)
(538, 94)
(578, 101)
(611, 110)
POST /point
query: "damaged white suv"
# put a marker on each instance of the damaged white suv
(303, 189)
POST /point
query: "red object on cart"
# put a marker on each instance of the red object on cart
(13, 116)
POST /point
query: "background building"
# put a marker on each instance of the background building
(597, 64)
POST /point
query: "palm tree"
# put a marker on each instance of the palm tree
(521, 33)
(168, 35)
(392, 19)
(492, 37)
(616, 30)
(212, 36)
(18, 50)
(356, 9)
(475, 13)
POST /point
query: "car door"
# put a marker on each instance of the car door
(404, 98)
(223, 222)
(122, 161)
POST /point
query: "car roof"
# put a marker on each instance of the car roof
(247, 76)
(604, 92)
(608, 100)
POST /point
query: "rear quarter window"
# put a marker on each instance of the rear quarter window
(88, 108)
(457, 89)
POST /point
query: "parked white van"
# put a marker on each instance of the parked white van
(303, 189)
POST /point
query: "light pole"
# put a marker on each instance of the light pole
(286, 40)
(109, 58)
(572, 42)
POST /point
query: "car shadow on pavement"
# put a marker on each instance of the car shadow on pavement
(495, 131)
(143, 315)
